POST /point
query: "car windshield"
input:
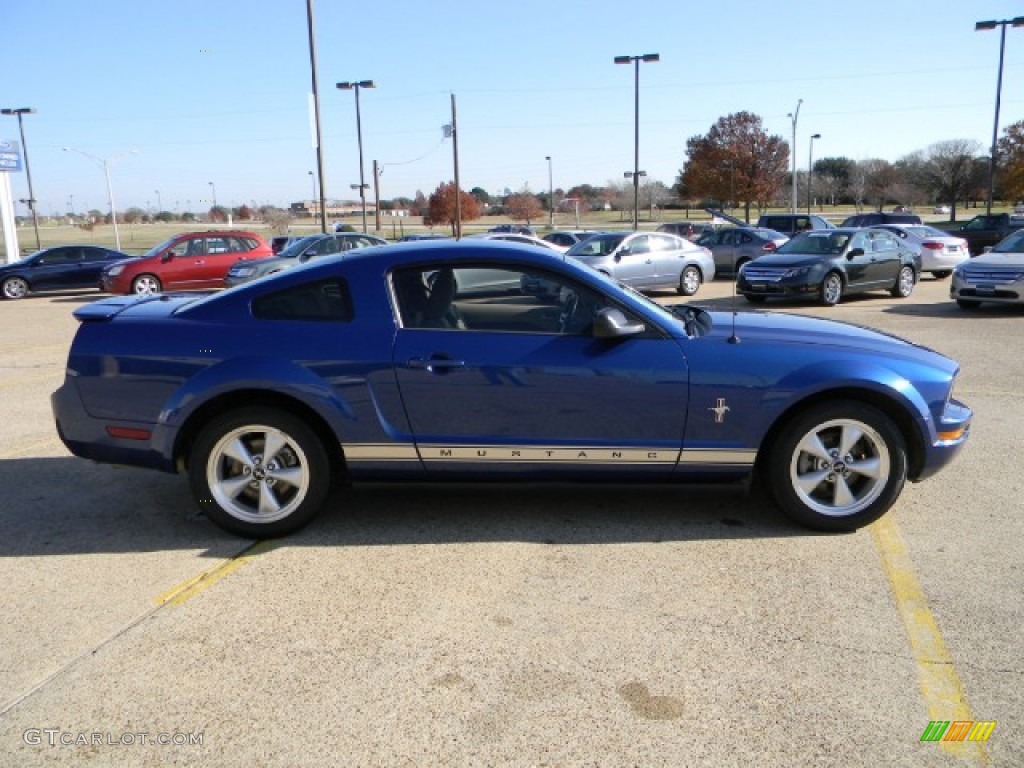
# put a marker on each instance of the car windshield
(297, 247)
(1013, 244)
(926, 231)
(599, 245)
(822, 243)
(157, 248)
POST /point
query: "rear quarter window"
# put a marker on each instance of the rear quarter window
(318, 301)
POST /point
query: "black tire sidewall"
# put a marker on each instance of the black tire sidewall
(682, 281)
(825, 301)
(318, 467)
(135, 282)
(782, 450)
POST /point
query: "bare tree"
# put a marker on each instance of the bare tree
(947, 169)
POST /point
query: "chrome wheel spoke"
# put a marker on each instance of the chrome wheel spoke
(842, 496)
(273, 445)
(868, 468)
(232, 486)
(811, 480)
(268, 501)
(236, 450)
(812, 444)
(291, 475)
(850, 435)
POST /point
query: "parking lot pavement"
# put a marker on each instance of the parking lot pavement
(519, 625)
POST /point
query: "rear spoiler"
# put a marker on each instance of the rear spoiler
(106, 309)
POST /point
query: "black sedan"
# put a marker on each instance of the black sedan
(830, 264)
(55, 269)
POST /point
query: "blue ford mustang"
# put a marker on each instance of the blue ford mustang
(486, 360)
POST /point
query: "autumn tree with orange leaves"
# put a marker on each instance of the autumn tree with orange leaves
(441, 206)
(735, 161)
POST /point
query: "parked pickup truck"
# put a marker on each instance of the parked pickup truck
(988, 229)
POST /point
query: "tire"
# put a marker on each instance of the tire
(689, 281)
(248, 493)
(853, 437)
(904, 285)
(146, 285)
(14, 288)
(968, 304)
(831, 289)
(942, 274)
(754, 298)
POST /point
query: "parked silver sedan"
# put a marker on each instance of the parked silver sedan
(648, 260)
(940, 251)
(996, 276)
(297, 253)
(732, 247)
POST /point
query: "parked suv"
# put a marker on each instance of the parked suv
(187, 261)
(791, 223)
(874, 219)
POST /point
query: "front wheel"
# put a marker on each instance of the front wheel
(689, 281)
(831, 289)
(259, 472)
(146, 285)
(904, 285)
(837, 466)
(14, 288)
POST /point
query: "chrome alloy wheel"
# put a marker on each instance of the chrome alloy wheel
(15, 288)
(145, 285)
(258, 474)
(840, 467)
(832, 289)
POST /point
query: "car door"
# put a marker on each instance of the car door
(181, 265)
(885, 259)
(634, 264)
(93, 262)
(857, 261)
(58, 268)
(221, 252)
(519, 385)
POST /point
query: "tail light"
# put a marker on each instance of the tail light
(769, 246)
(931, 245)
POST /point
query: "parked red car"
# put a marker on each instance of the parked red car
(188, 261)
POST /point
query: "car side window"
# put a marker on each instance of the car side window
(217, 245)
(882, 241)
(320, 301)
(61, 256)
(639, 245)
(860, 240)
(488, 299)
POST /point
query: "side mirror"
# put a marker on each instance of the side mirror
(611, 323)
(167, 257)
(854, 253)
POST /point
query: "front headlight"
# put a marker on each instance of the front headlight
(115, 271)
(242, 271)
(797, 272)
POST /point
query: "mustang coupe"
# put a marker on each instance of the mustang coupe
(482, 360)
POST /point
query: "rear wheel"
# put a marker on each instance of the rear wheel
(259, 472)
(831, 289)
(689, 281)
(837, 466)
(145, 285)
(14, 288)
(904, 285)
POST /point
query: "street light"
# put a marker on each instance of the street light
(159, 202)
(357, 86)
(793, 118)
(979, 27)
(213, 189)
(312, 178)
(647, 57)
(106, 164)
(551, 195)
(810, 169)
(28, 173)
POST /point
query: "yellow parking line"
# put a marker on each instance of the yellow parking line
(179, 594)
(941, 688)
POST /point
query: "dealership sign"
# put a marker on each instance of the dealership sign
(10, 155)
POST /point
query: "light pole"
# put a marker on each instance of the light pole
(647, 57)
(213, 190)
(978, 27)
(106, 164)
(312, 178)
(793, 118)
(28, 172)
(810, 169)
(357, 86)
(551, 195)
(159, 202)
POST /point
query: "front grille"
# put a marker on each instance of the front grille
(755, 274)
(983, 275)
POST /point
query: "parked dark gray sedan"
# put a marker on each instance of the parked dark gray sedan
(299, 252)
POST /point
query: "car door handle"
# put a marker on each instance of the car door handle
(435, 364)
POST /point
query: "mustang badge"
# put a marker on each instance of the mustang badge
(719, 410)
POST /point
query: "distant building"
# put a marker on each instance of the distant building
(335, 208)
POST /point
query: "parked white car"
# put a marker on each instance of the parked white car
(995, 276)
(940, 251)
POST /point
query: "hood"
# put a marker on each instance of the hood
(995, 259)
(789, 260)
(783, 329)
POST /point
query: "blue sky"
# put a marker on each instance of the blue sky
(218, 90)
